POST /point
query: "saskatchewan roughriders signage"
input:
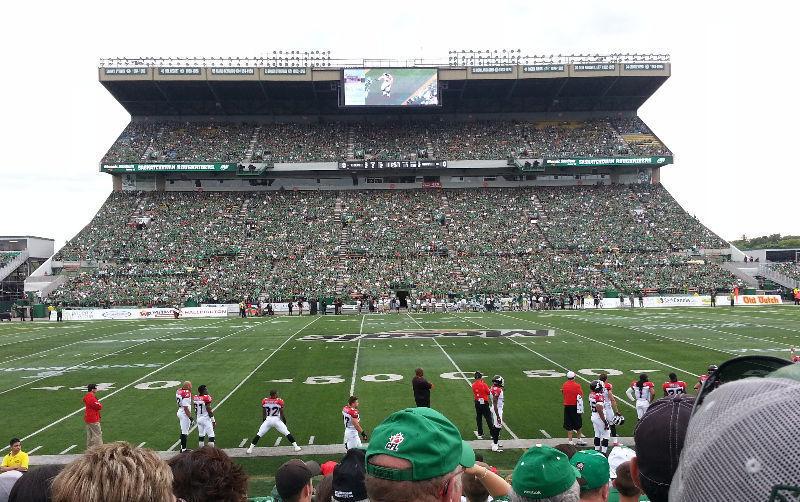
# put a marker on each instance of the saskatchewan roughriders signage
(167, 168)
(431, 333)
(608, 161)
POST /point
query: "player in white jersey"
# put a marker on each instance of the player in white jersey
(205, 416)
(272, 413)
(497, 395)
(352, 424)
(386, 84)
(183, 396)
(643, 392)
(610, 403)
(602, 428)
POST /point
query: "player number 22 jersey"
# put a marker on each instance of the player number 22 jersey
(674, 388)
(183, 397)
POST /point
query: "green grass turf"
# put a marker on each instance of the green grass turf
(240, 359)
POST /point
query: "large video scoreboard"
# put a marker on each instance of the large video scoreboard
(390, 87)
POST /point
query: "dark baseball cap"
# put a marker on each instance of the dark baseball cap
(424, 437)
(348, 477)
(659, 438)
(293, 475)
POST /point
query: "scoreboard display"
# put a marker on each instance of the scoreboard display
(390, 87)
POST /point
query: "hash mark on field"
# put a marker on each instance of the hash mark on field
(311, 440)
(244, 442)
(68, 449)
(142, 444)
(35, 449)
(278, 441)
(544, 433)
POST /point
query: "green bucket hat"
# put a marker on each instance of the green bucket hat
(543, 472)
(593, 468)
(424, 437)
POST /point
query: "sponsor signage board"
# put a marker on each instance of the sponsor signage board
(608, 161)
(286, 71)
(644, 66)
(543, 68)
(492, 69)
(179, 70)
(125, 71)
(161, 168)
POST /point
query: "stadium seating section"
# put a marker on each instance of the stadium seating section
(6, 257)
(789, 269)
(181, 142)
(150, 248)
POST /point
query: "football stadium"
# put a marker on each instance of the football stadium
(308, 243)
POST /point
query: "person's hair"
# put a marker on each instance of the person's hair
(624, 481)
(296, 496)
(642, 380)
(115, 472)
(418, 372)
(603, 376)
(384, 490)
(567, 449)
(202, 390)
(91, 387)
(572, 494)
(324, 490)
(352, 399)
(14, 440)
(35, 485)
(207, 473)
(673, 377)
(472, 489)
(594, 492)
(273, 393)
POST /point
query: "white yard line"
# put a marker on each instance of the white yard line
(142, 444)
(278, 440)
(455, 365)
(131, 384)
(68, 449)
(34, 450)
(148, 340)
(245, 379)
(244, 442)
(311, 440)
(26, 340)
(595, 341)
(545, 434)
(355, 362)
(758, 325)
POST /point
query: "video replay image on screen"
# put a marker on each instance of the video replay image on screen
(390, 86)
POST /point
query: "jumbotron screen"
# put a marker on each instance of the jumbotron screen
(390, 86)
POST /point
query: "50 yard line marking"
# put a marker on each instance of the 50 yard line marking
(355, 363)
(245, 379)
(81, 410)
(466, 380)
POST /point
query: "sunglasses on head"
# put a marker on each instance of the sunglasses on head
(737, 369)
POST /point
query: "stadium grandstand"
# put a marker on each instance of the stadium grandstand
(281, 178)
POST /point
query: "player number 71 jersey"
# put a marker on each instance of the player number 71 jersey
(348, 414)
(273, 406)
(200, 403)
(183, 397)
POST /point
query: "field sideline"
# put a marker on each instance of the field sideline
(45, 367)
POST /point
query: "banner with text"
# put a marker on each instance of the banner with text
(167, 168)
(608, 161)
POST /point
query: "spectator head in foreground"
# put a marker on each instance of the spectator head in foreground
(741, 443)
(544, 474)
(348, 477)
(659, 437)
(293, 480)
(115, 472)
(471, 488)
(624, 485)
(593, 474)
(36, 485)
(207, 473)
(416, 454)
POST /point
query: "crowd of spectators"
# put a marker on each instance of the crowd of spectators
(165, 248)
(789, 269)
(7, 256)
(186, 142)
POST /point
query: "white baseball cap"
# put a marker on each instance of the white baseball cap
(570, 374)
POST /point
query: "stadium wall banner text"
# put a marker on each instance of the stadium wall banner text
(608, 161)
(148, 168)
(138, 314)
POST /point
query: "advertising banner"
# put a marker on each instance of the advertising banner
(608, 161)
(150, 168)
(134, 314)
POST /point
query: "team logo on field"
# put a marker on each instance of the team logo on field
(394, 441)
(431, 333)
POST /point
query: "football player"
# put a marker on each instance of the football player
(386, 84)
(497, 396)
(643, 393)
(610, 403)
(795, 358)
(711, 369)
(205, 416)
(602, 428)
(352, 424)
(184, 398)
(273, 416)
(674, 387)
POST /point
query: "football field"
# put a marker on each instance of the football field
(317, 362)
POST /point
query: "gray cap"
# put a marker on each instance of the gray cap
(741, 444)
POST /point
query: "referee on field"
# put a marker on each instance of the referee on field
(480, 392)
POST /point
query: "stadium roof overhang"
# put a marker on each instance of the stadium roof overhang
(510, 89)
